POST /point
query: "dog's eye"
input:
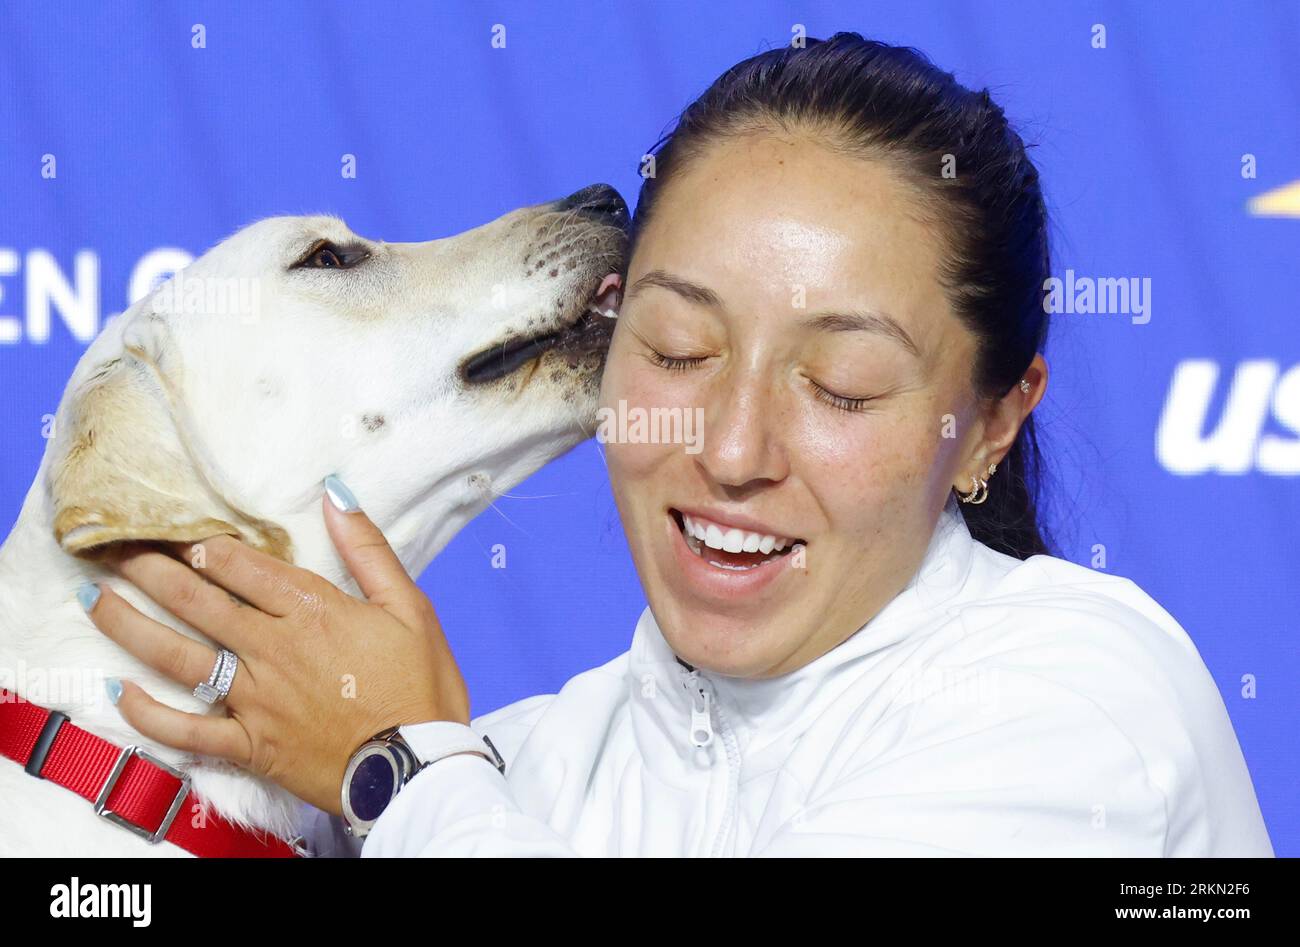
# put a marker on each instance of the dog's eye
(330, 256)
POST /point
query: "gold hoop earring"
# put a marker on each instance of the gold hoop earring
(978, 494)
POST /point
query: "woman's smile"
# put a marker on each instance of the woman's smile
(715, 560)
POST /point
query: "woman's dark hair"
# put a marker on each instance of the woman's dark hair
(870, 99)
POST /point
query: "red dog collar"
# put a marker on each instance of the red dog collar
(128, 785)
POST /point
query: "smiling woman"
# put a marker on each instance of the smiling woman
(855, 642)
(802, 270)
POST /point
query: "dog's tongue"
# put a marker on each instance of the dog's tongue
(609, 296)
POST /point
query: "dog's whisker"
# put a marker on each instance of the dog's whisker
(588, 434)
(557, 222)
(540, 496)
(601, 454)
(493, 505)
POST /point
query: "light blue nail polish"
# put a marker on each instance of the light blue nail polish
(114, 688)
(339, 494)
(88, 595)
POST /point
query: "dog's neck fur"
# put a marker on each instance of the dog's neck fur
(53, 655)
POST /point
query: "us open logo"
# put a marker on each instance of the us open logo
(1257, 429)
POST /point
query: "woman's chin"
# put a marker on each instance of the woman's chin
(719, 642)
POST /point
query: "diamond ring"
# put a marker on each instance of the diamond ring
(217, 686)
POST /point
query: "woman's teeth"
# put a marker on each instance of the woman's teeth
(731, 540)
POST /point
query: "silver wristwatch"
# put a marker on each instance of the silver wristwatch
(381, 767)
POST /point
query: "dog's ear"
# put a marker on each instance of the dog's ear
(121, 469)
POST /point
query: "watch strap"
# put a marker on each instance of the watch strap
(439, 739)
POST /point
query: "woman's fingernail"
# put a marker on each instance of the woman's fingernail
(114, 688)
(339, 494)
(88, 595)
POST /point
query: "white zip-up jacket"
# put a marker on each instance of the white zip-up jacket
(994, 707)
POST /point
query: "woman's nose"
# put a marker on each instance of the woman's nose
(743, 440)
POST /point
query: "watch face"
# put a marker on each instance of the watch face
(369, 785)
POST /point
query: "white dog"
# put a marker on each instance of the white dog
(429, 376)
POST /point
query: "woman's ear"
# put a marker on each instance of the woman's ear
(1002, 423)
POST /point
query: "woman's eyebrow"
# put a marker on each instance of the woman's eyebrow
(878, 323)
(676, 284)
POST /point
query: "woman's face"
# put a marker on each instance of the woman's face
(788, 298)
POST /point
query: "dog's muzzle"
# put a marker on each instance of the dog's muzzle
(589, 325)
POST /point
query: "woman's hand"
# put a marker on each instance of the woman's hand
(319, 672)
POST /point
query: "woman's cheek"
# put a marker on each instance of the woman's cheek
(631, 417)
(844, 441)
(890, 455)
(613, 378)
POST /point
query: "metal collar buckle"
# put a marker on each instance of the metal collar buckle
(101, 801)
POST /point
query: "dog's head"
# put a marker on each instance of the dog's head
(429, 376)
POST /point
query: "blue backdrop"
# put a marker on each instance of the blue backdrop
(1168, 139)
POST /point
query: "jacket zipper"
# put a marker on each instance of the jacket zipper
(701, 735)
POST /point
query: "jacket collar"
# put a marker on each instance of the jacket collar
(763, 714)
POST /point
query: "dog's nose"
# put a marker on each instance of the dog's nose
(597, 200)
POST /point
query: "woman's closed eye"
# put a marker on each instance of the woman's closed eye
(675, 363)
(840, 402)
(681, 363)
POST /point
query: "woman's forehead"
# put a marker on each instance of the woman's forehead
(795, 227)
(797, 206)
